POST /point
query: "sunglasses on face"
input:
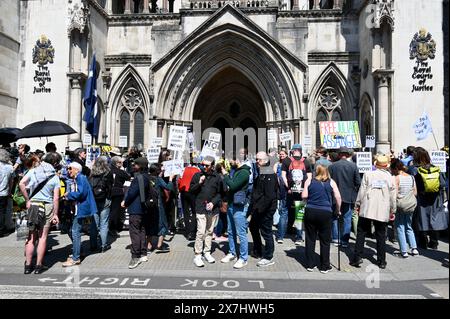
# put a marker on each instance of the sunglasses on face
(69, 168)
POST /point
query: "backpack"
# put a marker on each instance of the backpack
(149, 199)
(430, 177)
(99, 188)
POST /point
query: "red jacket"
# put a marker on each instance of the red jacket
(185, 181)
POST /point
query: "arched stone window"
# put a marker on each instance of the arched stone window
(329, 108)
(125, 125)
(132, 117)
(138, 127)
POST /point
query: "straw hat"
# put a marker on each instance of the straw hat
(382, 161)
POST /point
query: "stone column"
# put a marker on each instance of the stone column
(165, 6)
(75, 107)
(109, 6)
(146, 7)
(160, 128)
(297, 132)
(106, 78)
(337, 4)
(295, 5)
(127, 7)
(383, 143)
(316, 5)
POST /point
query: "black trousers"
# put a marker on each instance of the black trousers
(317, 222)
(364, 227)
(3, 208)
(190, 221)
(117, 214)
(137, 236)
(261, 225)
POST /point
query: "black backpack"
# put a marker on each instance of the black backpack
(149, 199)
(99, 187)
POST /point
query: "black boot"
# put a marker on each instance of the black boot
(28, 269)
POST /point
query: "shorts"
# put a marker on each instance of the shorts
(48, 212)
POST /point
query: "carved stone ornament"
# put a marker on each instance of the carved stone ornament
(383, 11)
(43, 51)
(78, 16)
(329, 99)
(131, 99)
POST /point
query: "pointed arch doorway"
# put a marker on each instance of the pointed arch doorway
(230, 100)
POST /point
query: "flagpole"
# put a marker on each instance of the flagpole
(437, 145)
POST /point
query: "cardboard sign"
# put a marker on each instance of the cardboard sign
(307, 141)
(285, 137)
(191, 142)
(123, 141)
(87, 139)
(272, 136)
(214, 137)
(92, 153)
(177, 138)
(439, 159)
(364, 161)
(334, 135)
(174, 167)
(370, 141)
(153, 154)
(156, 141)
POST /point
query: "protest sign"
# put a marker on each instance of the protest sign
(87, 139)
(153, 154)
(370, 141)
(123, 141)
(364, 161)
(92, 153)
(174, 167)
(177, 138)
(272, 137)
(334, 135)
(422, 127)
(439, 159)
(156, 141)
(285, 137)
(191, 142)
(307, 142)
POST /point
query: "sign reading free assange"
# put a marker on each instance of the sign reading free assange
(334, 135)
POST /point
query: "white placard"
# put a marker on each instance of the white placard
(156, 141)
(307, 141)
(177, 138)
(123, 141)
(87, 139)
(272, 136)
(364, 161)
(214, 137)
(91, 154)
(370, 141)
(191, 142)
(153, 154)
(439, 159)
(174, 167)
(285, 137)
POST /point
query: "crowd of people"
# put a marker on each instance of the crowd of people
(223, 200)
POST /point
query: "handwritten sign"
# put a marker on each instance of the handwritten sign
(123, 141)
(177, 138)
(174, 167)
(285, 137)
(307, 141)
(214, 137)
(191, 142)
(370, 141)
(439, 159)
(92, 153)
(364, 161)
(272, 136)
(87, 139)
(156, 141)
(422, 127)
(153, 154)
(334, 135)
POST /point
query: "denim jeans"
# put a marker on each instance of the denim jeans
(100, 224)
(283, 210)
(405, 232)
(346, 216)
(77, 226)
(237, 226)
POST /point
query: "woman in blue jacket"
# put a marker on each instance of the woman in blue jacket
(85, 207)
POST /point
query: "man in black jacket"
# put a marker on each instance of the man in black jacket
(263, 206)
(207, 187)
(80, 158)
(346, 175)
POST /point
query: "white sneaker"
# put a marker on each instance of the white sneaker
(198, 261)
(265, 262)
(280, 241)
(143, 259)
(414, 252)
(209, 258)
(240, 264)
(228, 258)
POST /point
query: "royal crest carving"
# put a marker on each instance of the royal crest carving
(422, 46)
(43, 51)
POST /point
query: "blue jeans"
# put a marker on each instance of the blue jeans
(77, 226)
(405, 232)
(283, 209)
(237, 226)
(346, 216)
(101, 224)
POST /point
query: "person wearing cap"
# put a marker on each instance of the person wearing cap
(207, 188)
(295, 170)
(85, 207)
(346, 175)
(137, 213)
(376, 203)
(80, 158)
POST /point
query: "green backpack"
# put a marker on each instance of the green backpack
(430, 178)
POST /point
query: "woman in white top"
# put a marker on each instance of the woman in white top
(407, 192)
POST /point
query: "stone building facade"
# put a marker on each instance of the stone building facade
(245, 63)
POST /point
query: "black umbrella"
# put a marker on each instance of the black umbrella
(46, 128)
(9, 134)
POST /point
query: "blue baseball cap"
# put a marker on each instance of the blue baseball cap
(296, 147)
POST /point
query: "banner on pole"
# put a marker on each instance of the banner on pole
(334, 135)
(422, 127)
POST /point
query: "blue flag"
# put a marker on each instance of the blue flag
(91, 114)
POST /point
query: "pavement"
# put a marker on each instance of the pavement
(174, 275)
